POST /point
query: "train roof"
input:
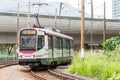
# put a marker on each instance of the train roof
(57, 33)
(52, 32)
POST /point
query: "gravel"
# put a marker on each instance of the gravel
(15, 72)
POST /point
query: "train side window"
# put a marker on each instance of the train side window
(64, 43)
(60, 45)
(50, 42)
(71, 44)
(41, 42)
(67, 44)
(56, 42)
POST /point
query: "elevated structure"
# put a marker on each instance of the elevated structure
(116, 9)
(68, 25)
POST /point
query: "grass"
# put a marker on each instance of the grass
(8, 57)
(97, 65)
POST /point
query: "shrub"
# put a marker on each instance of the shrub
(97, 66)
(111, 44)
(7, 57)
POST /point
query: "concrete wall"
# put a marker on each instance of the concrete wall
(11, 38)
(97, 38)
(8, 38)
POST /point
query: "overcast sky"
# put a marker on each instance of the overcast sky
(97, 4)
(9, 5)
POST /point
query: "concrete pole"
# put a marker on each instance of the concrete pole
(104, 30)
(18, 16)
(17, 31)
(60, 8)
(17, 40)
(82, 30)
(29, 14)
(55, 17)
(78, 4)
(91, 36)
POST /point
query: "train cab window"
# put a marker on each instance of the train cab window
(27, 42)
(41, 42)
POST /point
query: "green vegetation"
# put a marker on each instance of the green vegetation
(111, 44)
(97, 65)
(8, 57)
(8, 49)
(8, 52)
(104, 65)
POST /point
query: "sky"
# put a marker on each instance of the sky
(98, 6)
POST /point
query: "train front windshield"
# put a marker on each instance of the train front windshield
(27, 40)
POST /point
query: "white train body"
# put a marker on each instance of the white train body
(44, 47)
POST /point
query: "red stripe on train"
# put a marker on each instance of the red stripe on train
(27, 51)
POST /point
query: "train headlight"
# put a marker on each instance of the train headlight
(20, 56)
(34, 56)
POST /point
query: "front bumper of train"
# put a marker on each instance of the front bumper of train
(32, 61)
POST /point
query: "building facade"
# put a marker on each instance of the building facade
(116, 9)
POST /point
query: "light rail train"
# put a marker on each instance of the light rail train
(44, 47)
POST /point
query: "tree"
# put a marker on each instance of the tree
(7, 48)
(111, 44)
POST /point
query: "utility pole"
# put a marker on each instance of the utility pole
(104, 30)
(91, 36)
(29, 14)
(82, 30)
(55, 17)
(17, 24)
(60, 8)
(17, 30)
(78, 4)
(18, 16)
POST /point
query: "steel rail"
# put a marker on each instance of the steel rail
(6, 63)
(61, 76)
(37, 76)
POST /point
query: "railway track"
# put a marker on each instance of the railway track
(7, 63)
(57, 74)
(49, 74)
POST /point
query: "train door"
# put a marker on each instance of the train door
(50, 46)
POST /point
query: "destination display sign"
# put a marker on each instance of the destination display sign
(28, 31)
